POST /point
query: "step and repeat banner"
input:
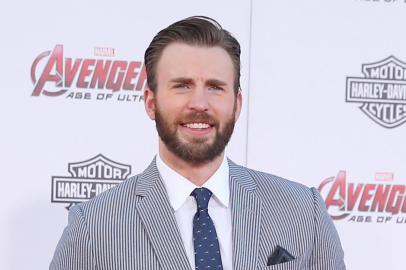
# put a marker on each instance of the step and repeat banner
(324, 88)
(73, 122)
(328, 109)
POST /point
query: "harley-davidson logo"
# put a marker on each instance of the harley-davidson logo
(381, 92)
(88, 179)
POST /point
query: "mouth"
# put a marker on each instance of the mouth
(197, 125)
(197, 128)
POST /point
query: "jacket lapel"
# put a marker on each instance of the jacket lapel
(246, 218)
(159, 220)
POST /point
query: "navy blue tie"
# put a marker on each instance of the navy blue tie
(207, 250)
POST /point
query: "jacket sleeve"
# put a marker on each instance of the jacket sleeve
(74, 250)
(327, 251)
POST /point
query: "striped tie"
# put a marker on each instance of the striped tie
(207, 250)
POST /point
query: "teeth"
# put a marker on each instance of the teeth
(197, 125)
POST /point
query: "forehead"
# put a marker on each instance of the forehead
(195, 62)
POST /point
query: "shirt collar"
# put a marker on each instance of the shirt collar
(179, 188)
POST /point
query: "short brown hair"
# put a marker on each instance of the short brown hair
(198, 31)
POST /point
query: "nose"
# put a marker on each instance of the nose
(199, 99)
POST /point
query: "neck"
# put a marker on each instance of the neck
(198, 173)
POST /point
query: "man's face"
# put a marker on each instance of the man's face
(194, 106)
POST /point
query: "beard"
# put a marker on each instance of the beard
(196, 150)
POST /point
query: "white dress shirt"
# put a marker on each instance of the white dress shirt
(184, 206)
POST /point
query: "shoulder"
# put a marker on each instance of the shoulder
(275, 189)
(291, 192)
(267, 181)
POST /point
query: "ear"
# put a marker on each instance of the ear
(238, 105)
(149, 103)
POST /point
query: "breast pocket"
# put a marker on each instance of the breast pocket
(296, 264)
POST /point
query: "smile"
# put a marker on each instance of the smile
(196, 125)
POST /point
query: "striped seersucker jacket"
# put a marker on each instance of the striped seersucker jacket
(133, 226)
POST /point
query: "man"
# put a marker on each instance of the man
(192, 208)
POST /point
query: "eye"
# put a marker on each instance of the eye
(181, 85)
(215, 88)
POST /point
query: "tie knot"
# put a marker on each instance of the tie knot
(202, 196)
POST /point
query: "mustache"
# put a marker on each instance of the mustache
(197, 117)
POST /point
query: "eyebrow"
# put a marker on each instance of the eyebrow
(190, 81)
(216, 82)
(181, 80)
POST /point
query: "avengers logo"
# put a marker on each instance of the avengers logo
(381, 92)
(344, 199)
(53, 75)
